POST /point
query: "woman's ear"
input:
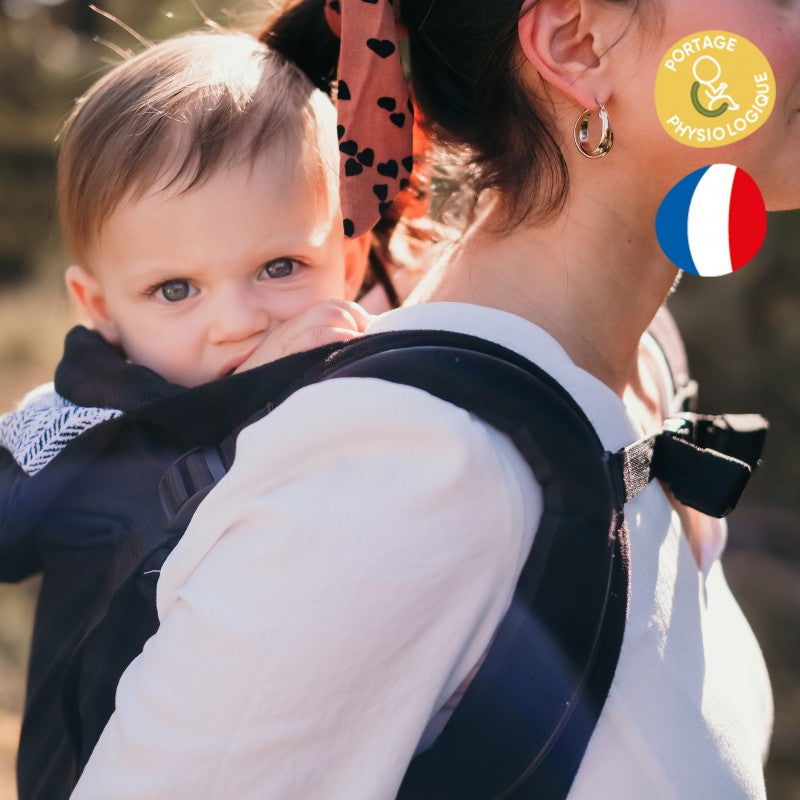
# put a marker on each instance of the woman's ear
(565, 41)
(88, 295)
(356, 257)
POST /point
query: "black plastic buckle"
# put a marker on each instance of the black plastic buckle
(186, 482)
(737, 435)
(707, 461)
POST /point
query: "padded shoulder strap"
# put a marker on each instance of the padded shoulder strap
(480, 376)
(524, 723)
(526, 719)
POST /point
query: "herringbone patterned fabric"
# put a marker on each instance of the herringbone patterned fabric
(44, 424)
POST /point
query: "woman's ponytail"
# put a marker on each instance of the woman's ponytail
(300, 34)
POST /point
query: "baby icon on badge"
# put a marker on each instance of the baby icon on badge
(716, 93)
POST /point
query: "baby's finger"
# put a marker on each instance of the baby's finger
(342, 314)
(361, 317)
(318, 337)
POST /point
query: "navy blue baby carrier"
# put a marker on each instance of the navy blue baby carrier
(523, 725)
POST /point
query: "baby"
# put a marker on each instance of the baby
(198, 194)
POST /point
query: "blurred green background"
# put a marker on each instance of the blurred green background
(742, 332)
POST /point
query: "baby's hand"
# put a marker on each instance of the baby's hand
(327, 322)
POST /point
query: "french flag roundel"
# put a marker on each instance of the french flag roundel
(713, 221)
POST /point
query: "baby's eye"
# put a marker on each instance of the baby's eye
(280, 268)
(176, 290)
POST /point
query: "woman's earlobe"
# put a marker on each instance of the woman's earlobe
(87, 294)
(562, 40)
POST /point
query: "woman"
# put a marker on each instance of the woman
(306, 646)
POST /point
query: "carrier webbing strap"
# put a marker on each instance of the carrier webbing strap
(189, 479)
(706, 461)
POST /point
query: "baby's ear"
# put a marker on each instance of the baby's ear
(87, 292)
(356, 258)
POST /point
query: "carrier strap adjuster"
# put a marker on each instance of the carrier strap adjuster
(189, 479)
(705, 460)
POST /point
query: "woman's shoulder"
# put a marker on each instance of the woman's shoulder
(370, 470)
(604, 409)
(367, 422)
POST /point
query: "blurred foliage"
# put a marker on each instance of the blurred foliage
(742, 332)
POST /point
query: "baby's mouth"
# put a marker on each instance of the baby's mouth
(232, 365)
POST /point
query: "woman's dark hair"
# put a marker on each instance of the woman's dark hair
(465, 70)
(301, 34)
(466, 82)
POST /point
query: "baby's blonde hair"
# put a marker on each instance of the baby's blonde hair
(173, 114)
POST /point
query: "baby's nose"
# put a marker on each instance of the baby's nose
(238, 315)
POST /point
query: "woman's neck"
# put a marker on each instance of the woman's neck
(593, 278)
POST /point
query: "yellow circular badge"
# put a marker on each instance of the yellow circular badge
(713, 88)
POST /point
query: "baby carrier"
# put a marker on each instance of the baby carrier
(523, 725)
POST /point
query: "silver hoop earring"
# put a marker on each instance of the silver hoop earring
(581, 134)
